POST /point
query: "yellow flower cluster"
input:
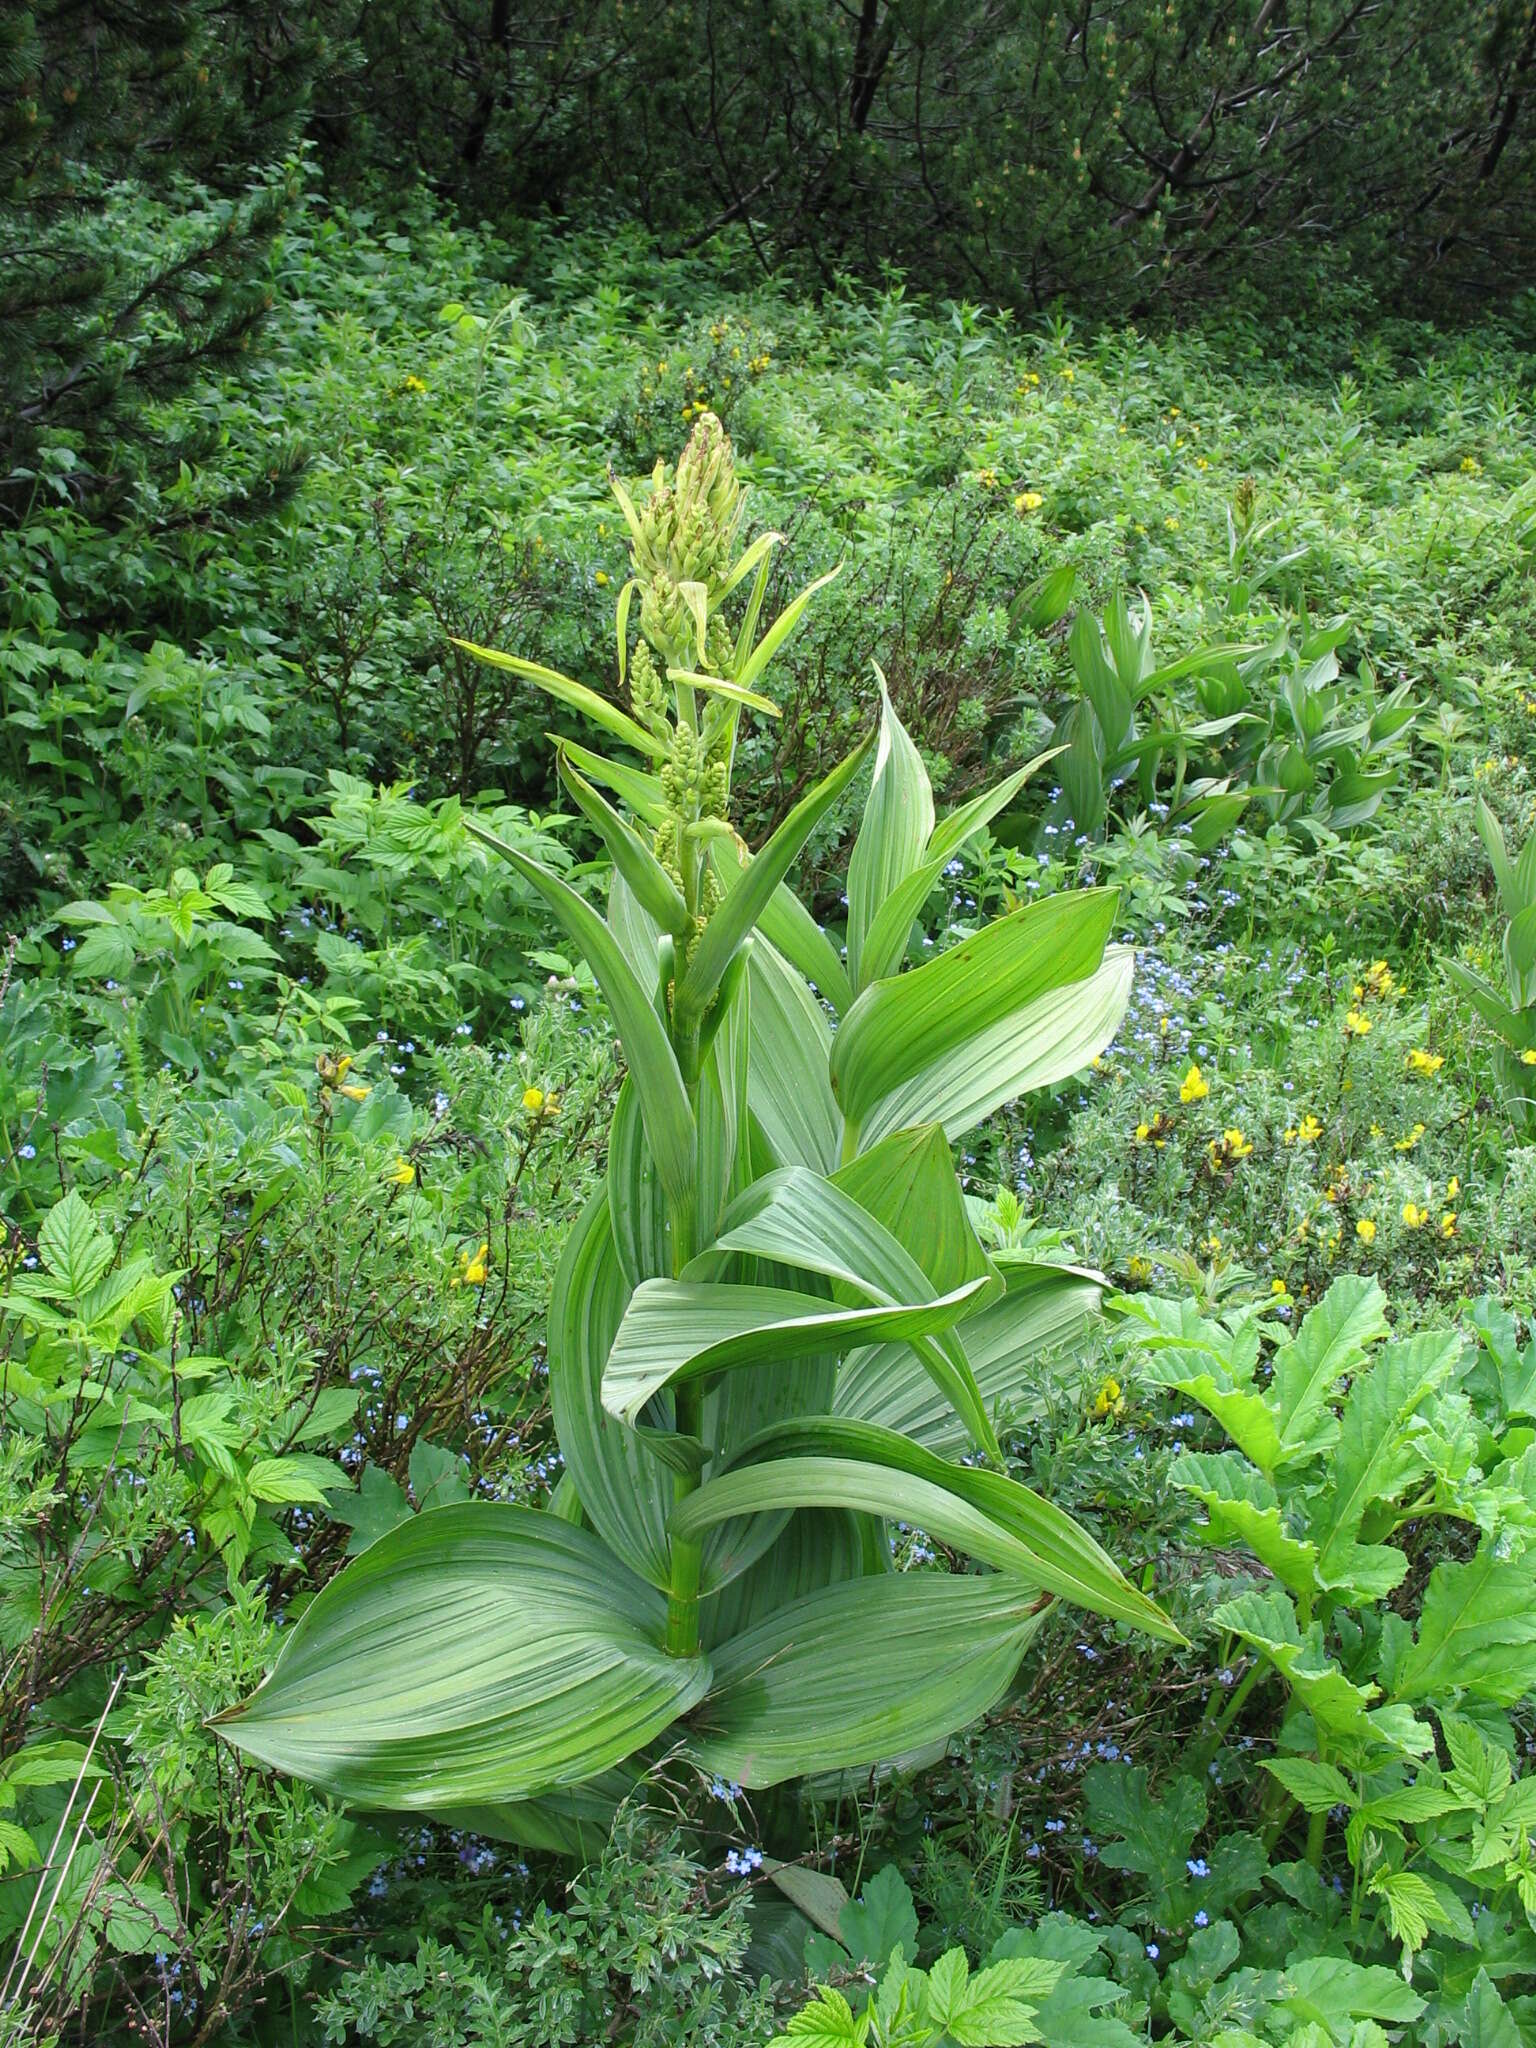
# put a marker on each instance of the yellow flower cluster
(1194, 1087)
(1426, 1063)
(1109, 1400)
(473, 1267)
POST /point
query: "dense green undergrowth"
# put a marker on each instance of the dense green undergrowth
(301, 1093)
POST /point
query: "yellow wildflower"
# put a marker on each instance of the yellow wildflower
(1309, 1130)
(1356, 1024)
(355, 1091)
(1453, 1187)
(1470, 466)
(1528, 1057)
(402, 1174)
(1109, 1400)
(1448, 1223)
(1365, 1230)
(1195, 1087)
(1171, 522)
(1138, 1270)
(600, 578)
(472, 1270)
(1278, 1287)
(1028, 501)
(1406, 1144)
(1414, 1216)
(1421, 1062)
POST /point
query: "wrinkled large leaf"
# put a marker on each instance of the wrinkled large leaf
(1242, 1506)
(1035, 1047)
(804, 1221)
(474, 1654)
(861, 1671)
(1331, 1341)
(1016, 1348)
(1025, 1533)
(905, 1024)
(625, 1492)
(675, 1329)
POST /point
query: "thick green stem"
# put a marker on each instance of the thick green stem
(682, 1638)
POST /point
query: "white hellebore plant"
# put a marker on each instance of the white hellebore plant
(774, 1329)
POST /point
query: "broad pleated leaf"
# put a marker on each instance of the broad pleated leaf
(1026, 1533)
(647, 1049)
(885, 944)
(1017, 1348)
(473, 1654)
(788, 1088)
(721, 1108)
(637, 1208)
(787, 924)
(575, 1822)
(904, 1025)
(894, 834)
(674, 1329)
(1044, 1043)
(801, 1220)
(817, 1547)
(908, 1183)
(625, 1491)
(862, 1671)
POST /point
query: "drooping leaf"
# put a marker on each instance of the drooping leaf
(474, 1654)
(799, 1219)
(674, 1329)
(1015, 1348)
(576, 695)
(1042, 1541)
(787, 1697)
